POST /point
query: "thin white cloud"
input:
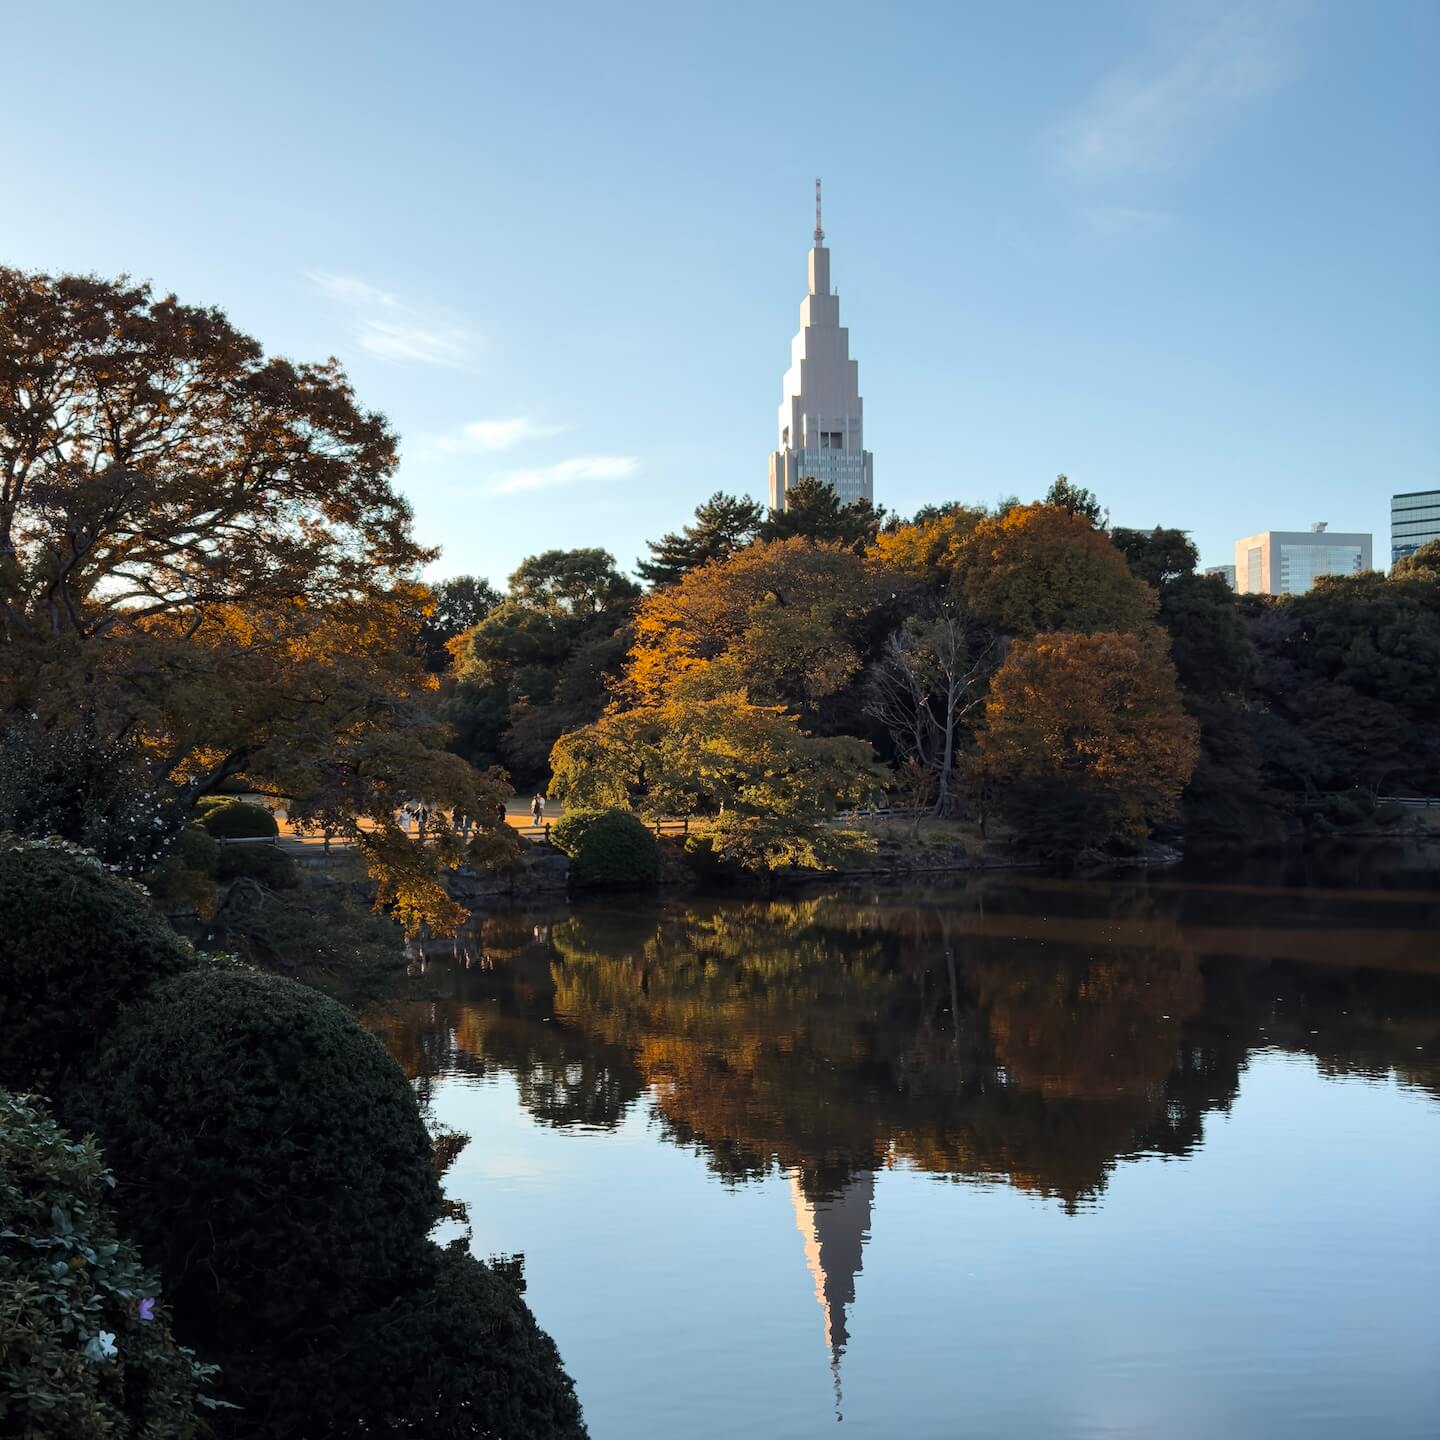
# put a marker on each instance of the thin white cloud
(1145, 119)
(487, 436)
(384, 325)
(1120, 222)
(565, 472)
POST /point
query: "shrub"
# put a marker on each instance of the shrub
(238, 820)
(611, 847)
(569, 831)
(459, 1356)
(263, 863)
(66, 781)
(85, 1346)
(273, 1159)
(183, 883)
(79, 946)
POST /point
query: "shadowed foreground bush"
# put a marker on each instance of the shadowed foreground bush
(271, 1154)
(78, 1357)
(458, 1357)
(608, 847)
(77, 946)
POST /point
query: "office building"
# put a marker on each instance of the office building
(1414, 519)
(821, 422)
(1225, 572)
(1288, 562)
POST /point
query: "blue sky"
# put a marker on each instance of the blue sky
(1186, 254)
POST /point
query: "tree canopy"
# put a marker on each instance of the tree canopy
(1041, 567)
(814, 511)
(723, 525)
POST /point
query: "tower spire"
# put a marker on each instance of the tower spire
(819, 233)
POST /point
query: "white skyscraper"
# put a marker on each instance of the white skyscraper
(821, 423)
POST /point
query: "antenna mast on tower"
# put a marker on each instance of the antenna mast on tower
(819, 233)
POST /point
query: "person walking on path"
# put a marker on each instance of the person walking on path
(537, 809)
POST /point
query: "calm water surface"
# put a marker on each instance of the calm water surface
(1007, 1156)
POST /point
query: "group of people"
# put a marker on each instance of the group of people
(414, 814)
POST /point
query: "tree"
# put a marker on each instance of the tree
(578, 582)
(761, 787)
(154, 462)
(1086, 740)
(723, 525)
(1077, 500)
(1040, 567)
(541, 661)
(1422, 565)
(459, 604)
(201, 549)
(781, 619)
(813, 510)
(1158, 557)
(929, 680)
(927, 549)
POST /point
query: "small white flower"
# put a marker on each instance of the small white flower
(101, 1346)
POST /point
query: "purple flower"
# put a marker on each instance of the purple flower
(146, 1308)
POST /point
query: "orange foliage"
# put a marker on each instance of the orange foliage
(1098, 717)
(1038, 567)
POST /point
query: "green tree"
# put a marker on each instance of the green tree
(1156, 556)
(541, 661)
(723, 525)
(1077, 500)
(760, 787)
(458, 604)
(814, 512)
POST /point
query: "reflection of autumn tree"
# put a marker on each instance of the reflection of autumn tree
(500, 1018)
(826, 1035)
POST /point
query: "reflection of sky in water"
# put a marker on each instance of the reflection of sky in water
(1014, 1159)
(1284, 1280)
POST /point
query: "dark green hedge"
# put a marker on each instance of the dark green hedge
(237, 820)
(273, 868)
(272, 1157)
(77, 946)
(608, 847)
(459, 1356)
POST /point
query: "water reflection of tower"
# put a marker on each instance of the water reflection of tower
(835, 1229)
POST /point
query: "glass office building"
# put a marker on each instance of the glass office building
(1414, 519)
(1288, 562)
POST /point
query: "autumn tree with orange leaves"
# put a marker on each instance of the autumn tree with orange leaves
(201, 547)
(1086, 741)
(1040, 567)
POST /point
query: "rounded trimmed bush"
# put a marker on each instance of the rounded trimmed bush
(85, 1348)
(269, 866)
(272, 1157)
(79, 946)
(238, 820)
(608, 847)
(459, 1357)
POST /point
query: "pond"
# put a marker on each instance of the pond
(1009, 1155)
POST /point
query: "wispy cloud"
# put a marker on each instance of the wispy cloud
(386, 326)
(481, 437)
(1151, 117)
(565, 472)
(1120, 222)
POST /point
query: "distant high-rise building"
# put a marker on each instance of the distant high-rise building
(821, 421)
(1288, 562)
(1414, 519)
(1225, 572)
